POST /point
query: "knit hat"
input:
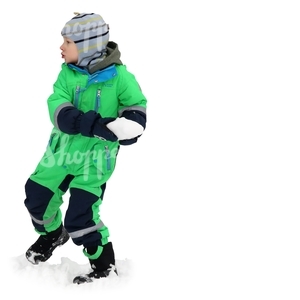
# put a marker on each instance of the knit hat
(90, 34)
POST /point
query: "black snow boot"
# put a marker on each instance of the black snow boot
(43, 248)
(102, 266)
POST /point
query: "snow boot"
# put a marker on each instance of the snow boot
(101, 266)
(43, 248)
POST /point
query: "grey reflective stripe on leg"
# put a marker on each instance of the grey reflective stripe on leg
(79, 233)
(43, 222)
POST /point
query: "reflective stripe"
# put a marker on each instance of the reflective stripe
(41, 222)
(138, 108)
(57, 111)
(79, 233)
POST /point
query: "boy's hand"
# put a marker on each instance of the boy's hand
(93, 125)
(102, 132)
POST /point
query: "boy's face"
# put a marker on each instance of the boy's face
(69, 51)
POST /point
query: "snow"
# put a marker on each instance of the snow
(60, 275)
(206, 204)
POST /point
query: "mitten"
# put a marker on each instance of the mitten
(102, 132)
(93, 125)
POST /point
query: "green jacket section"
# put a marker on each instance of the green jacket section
(86, 92)
(109, 89)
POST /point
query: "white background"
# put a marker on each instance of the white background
(207, 203)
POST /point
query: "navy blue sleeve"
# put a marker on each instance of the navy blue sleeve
(136, 116)
(71, 120)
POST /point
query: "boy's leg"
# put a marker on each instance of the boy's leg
(82, 219)
(87, 228)
(43, 204)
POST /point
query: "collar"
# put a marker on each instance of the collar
(99, 76)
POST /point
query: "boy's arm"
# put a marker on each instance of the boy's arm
(132, 112)
(62, 112)
(68, 119)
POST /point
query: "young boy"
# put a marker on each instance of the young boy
(96, 105)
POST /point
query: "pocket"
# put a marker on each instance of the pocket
(104, 158)
(53, 143)
(52, 146)
(76, 96)
(48, 159)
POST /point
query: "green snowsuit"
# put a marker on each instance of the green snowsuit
(82, 164)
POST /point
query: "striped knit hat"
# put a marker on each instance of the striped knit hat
(90, 34)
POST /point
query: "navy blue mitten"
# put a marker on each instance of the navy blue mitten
(91, 124)
(102, 132)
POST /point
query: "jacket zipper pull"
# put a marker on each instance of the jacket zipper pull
(97, 104)
(77, 96)
(108, 166)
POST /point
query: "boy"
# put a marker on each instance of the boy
(96, 105)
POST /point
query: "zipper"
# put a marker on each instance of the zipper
(51, 139)
(77, 91)
(107, 157)
(98, 96)
(53, 146)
